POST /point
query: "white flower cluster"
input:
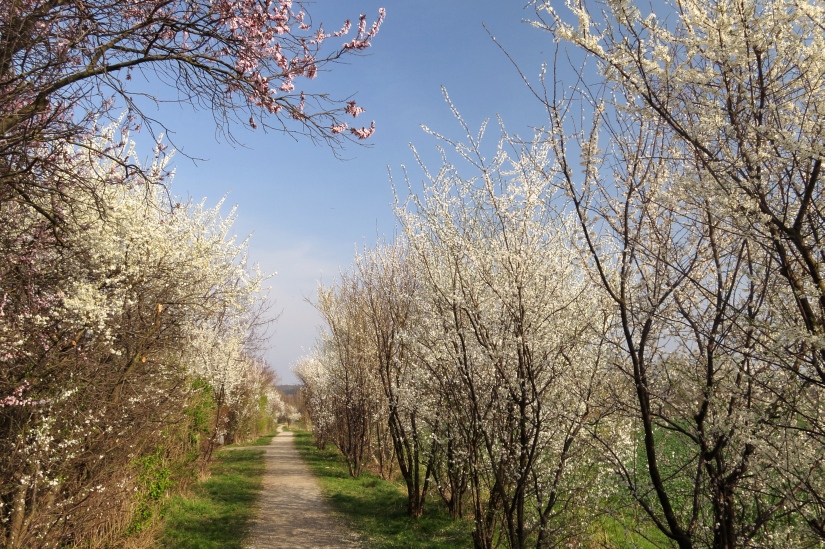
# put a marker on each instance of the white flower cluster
(134, 297)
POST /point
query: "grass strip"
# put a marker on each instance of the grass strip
(260, 441)
(219, 512)
(377, 508)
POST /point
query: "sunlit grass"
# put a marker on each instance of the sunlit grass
(219, 512)
(260, 441)
(627, 534)
(377, 509)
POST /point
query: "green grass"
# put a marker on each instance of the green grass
(626, 534)
(220, 510)
(260, 441)
(377, 509)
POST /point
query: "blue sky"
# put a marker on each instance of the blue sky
(307, 211)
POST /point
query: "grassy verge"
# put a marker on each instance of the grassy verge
(260, 441)
(219, 512)
(377, 509)
(626, 534)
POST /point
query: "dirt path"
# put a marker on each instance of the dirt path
(293, 513)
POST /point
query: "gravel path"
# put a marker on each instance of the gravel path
(293, 512)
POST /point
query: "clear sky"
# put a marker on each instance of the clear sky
(307, 211)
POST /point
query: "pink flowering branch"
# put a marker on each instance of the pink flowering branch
(17, 399)
(363, 133)
(72, 65)
(352, 109)
(362, 41)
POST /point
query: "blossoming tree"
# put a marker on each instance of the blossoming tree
(64, 66)
(515, 349)
(96, 343)
(701, 159)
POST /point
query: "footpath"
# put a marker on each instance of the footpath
(293, 513)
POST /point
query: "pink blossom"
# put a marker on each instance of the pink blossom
(352, 109)
(362, 41)
(362, 24)
(319, 36)
(338, 128)
(363, 133)
(16, 398)
(356, 44)
(344, 30)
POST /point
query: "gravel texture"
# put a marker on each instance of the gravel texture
(293, 512)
